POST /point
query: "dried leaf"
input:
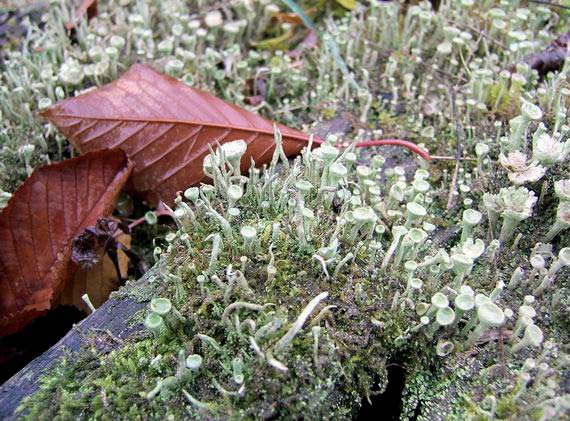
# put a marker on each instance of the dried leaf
(284, 17)
(257, 86)
(39, 223)
(88, 7)
(98, 282)
(85, 250)
(165, 127)
(92, 243)
(551, 59)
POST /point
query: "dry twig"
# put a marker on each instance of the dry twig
(547, 3)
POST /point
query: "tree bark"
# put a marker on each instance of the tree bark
(112, 318)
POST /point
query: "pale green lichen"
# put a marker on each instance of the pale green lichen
(306, 279)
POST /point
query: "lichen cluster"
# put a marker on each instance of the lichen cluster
(285, 292)
(400, 57)
(288, 292)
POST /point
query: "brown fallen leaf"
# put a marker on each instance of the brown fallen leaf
(98, 281)
(94, 242)
(165, 128)
(39, 223)
(254, 100)
(552, 58)
(88, 7)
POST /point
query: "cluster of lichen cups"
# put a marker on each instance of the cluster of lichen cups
(386, 231)
(51, 66)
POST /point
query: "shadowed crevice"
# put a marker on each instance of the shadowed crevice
(388, 405)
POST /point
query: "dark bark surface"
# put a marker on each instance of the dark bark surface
(110, 319)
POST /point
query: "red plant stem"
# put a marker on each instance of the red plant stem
(142, 219)
(396, 142)
(384, 142)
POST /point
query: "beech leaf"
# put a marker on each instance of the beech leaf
(165, 127)
(38, 226)
(88, 7)
(551, 59)
(92, 243)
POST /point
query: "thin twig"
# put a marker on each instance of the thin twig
(484, 35)
(396, 142)
(561, 6)
(387, 142)
(142, 219)
(459, 138)
(438, 72)
(459, 78)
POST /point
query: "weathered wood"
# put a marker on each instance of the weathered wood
(113, 316)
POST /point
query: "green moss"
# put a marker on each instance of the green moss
(506, 407)
(561, 308)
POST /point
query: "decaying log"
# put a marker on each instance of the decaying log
(112, 317)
